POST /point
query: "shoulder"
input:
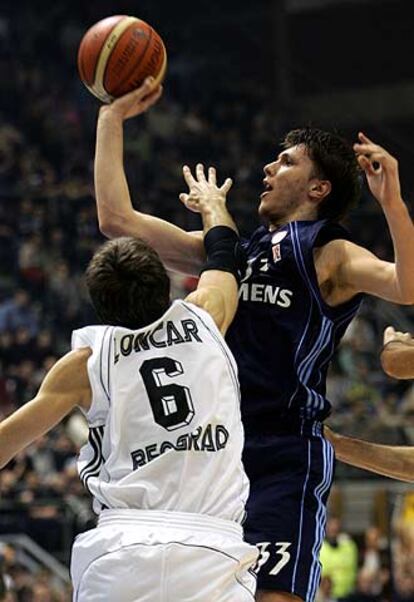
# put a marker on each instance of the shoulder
(76, 358)
(339, 251)
(210, 299)
(329, 257)
(336, 264)
(71, 370)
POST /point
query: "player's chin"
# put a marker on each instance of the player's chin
(263, 209)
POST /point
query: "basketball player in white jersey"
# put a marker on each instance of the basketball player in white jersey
(159, 389)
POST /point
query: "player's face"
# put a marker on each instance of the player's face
(286, 183)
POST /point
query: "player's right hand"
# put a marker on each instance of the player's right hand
(203, 192)
(136, 102)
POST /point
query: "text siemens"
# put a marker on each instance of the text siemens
(266, 293)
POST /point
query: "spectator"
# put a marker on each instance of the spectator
(339, 558)
(403, 562)
(325, 590)
(374, 560)
(17, 312)
(365, 589)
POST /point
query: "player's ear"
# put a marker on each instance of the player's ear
(319, 189)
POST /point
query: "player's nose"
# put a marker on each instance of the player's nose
(269, 169)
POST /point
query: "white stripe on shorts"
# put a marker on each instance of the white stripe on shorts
(199, 522)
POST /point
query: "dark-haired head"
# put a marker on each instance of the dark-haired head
(334, 160)
(127, 283)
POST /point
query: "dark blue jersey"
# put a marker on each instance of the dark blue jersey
(284, 334)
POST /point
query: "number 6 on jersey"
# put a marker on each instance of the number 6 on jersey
(171, 404)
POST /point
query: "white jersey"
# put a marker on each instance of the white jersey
(165, 430)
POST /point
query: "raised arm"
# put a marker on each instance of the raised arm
(357, 269)
(64, 387)
(179, 250)
(387, 460)
(217, 290)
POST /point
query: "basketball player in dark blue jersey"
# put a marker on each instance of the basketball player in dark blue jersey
(302, 284)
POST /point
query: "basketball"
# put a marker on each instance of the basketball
(117, 54)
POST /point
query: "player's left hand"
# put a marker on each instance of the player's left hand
(203, 192)
(381, 170)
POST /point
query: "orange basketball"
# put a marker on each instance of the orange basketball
(117, 54)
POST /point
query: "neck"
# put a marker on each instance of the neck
(300, 214)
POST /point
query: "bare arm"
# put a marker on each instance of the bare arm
(391, 281)
(64, 387)
(353, 269)
(387, 460)
(381, 170)
(217, 290)
(357, 270)
(179, 250)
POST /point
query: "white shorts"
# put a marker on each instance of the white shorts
(149, 556)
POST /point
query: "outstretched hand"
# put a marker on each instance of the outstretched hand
(381, 170)
(136, 102)
(203, 192)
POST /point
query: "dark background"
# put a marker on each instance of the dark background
(240, 75)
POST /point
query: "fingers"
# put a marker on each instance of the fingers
(200, 172)
(368, 148)
(212, 176)
(364, 139)
(146, 87)
(371, 165)
(188, 177)
(226, 186)
(137, 94)
(389, 333)
(190, 202)
(200, 175)
(377, 156)
(137, 101)
(200, 183)
(151, 98)
(186, 199)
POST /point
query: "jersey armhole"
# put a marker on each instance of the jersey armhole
(306, 266)
(98, 366)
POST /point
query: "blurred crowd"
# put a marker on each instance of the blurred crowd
(18, 584)
(354, 571)
(48, 232)
(371, 568)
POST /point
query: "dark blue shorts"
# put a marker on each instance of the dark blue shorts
(290, 479)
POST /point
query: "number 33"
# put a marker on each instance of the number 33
(264, 555)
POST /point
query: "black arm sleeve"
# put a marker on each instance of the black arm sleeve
(222, 245)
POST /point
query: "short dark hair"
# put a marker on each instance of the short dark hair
(127, 283)
(335, 160)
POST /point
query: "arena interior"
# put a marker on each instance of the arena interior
(240, 74)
